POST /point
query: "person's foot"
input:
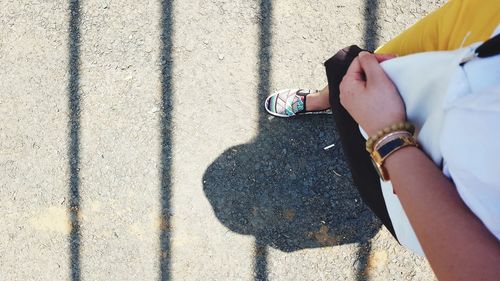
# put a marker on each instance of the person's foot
(318, 101)
(286, 103)
(291, 102)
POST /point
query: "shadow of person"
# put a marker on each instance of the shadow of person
(287, 191)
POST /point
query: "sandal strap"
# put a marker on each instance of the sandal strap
(303, 93)
(293, 100)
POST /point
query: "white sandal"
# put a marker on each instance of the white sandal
(289, 102)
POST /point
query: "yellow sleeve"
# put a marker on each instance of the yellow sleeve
(458, 23)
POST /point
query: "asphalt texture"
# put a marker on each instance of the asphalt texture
(134, 144)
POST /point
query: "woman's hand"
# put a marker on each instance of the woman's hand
(369, 96)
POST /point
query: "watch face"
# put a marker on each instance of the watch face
(390, 146)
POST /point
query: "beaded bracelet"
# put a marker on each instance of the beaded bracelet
(402, 126)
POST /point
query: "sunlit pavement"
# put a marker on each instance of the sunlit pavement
(134, 144)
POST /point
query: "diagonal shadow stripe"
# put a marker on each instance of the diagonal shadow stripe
(74, 137)
(371, 24)
(263, 88)
(166, 138)
(264, 55)
(260, 263)
(371, 43)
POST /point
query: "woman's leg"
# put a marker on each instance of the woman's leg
(458, 23)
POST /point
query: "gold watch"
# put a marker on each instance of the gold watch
(381, 152)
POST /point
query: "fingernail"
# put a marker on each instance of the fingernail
(363, 53)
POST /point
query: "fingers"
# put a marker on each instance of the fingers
(370, 66)
(364, 69)
(353, 81)
(355, 71)
(383, 57)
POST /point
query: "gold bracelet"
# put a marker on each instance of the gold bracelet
(402, 126)
(387, 138)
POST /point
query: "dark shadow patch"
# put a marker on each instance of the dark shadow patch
(283, 188)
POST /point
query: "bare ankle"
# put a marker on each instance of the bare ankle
(317, 101)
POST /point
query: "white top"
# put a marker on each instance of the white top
(457, 114)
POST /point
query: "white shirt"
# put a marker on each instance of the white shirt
(457, 114)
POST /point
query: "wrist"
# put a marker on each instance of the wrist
(374, 128)
(402, 155)
(387, 142)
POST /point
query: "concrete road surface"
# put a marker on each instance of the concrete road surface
(134, 144)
